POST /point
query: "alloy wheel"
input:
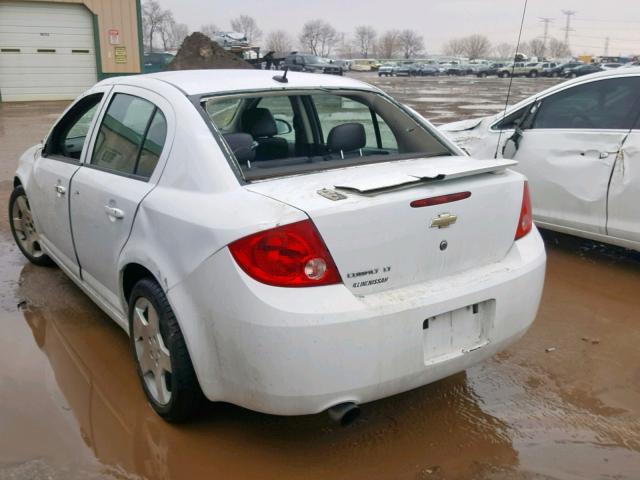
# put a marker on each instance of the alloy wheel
(152, 353)
(24, 228)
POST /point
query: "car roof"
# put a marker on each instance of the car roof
(199, 82)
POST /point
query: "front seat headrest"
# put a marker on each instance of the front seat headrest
(259, 122)
(242, 146)
(346, 137)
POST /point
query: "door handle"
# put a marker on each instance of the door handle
(60, 190)
(114, 212)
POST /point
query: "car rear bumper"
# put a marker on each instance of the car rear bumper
(301, 351)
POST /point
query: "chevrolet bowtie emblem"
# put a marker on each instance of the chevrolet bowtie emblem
(444, 220)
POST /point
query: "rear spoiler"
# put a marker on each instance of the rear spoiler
(455, 167)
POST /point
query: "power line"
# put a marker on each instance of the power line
(546, 21)
(567, 29)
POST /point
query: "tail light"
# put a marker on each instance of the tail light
(525, 222)
(292, 255)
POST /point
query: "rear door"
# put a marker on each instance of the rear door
(53, 169)
(126, 155)
(569, 150)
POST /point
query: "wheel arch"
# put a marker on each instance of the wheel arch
(131, 274)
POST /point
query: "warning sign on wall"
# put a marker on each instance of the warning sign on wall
(114, 36)
(121, 54)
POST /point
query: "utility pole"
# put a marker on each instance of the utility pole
(606, 47)
(546, 21)
(567, 29)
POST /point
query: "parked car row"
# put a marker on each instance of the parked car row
(409, 69)
(301, 62)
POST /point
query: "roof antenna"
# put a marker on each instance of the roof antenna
(282, 78)
(513, 66)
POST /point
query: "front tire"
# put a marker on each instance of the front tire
(162, 359)
(23, 228)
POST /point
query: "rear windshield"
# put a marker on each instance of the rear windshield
(287, 133)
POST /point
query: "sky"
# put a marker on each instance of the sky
(436, 20)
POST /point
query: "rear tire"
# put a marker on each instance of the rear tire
(23, 228)
(162, 359)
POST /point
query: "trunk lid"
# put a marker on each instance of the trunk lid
(380, 242)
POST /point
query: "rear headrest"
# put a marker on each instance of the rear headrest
(259, 122)
(346, 137)
(242, 146)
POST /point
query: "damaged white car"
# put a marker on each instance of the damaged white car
(578, 143)
(290, 245)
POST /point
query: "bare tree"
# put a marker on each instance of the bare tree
(279, 41)
(153, 17)
(558, 49)
(318, 37)
(476, 46)
(246, 25)
(410, 42)
(365, 38)
(165, 30)
(389, 44)
(504, 51)
(180, 31)
(535, 48)
(209, 30)
(455, 47)
(345, 47)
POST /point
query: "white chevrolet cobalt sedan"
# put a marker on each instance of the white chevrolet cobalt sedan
(290, 245)
(578, 143)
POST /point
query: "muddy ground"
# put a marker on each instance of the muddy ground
(71, 406)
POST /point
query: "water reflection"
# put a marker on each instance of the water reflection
(436, 430)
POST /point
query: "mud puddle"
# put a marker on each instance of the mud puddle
(71, 406)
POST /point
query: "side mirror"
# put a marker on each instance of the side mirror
(284, 127)
(512, 144)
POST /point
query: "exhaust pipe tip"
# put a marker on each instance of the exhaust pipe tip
(344, 413)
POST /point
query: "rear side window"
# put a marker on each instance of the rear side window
(131, 137)
(152, 146)
(604, 104)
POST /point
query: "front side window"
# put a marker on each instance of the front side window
(223, 112)
(68, 136)
(282, 111)
(511, 121)
(334, 110)
(329, 129)
(131, 137)
(604, 104)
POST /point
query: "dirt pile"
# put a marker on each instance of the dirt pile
(200, 52)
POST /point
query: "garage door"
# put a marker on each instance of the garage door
(47, 51)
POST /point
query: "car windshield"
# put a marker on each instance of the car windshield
(286, 133)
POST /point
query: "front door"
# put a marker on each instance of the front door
(624, 194)
(53, 169)
(569, 149)
(118, 173)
